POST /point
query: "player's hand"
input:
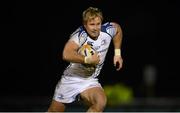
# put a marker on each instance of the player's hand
(92, 60)
(118, 62)
(95, 59)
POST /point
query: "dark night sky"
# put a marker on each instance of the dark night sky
(33, 35)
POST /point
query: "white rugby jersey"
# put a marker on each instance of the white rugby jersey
(100, 45)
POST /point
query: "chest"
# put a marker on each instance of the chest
(101, 43)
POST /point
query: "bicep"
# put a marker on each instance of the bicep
(70, 53)
(117, 39)
(117, 28)
(71, 46)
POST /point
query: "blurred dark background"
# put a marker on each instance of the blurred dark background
(33, 34)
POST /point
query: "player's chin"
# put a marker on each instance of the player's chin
(95, 35)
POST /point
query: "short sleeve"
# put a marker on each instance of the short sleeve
(79, 37)
(109, 28)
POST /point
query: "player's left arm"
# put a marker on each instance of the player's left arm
(117, 42)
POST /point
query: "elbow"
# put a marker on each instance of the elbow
(64, 56)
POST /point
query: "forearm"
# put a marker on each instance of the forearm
(70, 53)
(117, 46)
(73, 56)
(117, 41)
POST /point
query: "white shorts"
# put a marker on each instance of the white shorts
(69, 87)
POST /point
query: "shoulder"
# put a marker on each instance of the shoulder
(109, 25)
(79, 35)
(110, 28)
(79, 32)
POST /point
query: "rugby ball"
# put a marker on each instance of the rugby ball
(86, 50)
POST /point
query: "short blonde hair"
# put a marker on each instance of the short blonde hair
(91, 13)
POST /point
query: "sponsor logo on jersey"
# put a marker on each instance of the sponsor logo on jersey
(103, 42)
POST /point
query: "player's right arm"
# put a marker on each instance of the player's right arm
(70, 54)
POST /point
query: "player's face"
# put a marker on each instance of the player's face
(93, 27)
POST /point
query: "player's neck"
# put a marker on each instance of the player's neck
(93, 38)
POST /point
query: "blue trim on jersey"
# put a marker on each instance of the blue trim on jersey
(106, 26)
(81, 34)
(81, 30)
(75, 32)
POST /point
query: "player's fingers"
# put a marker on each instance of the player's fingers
(119, 67)
(115, 61)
